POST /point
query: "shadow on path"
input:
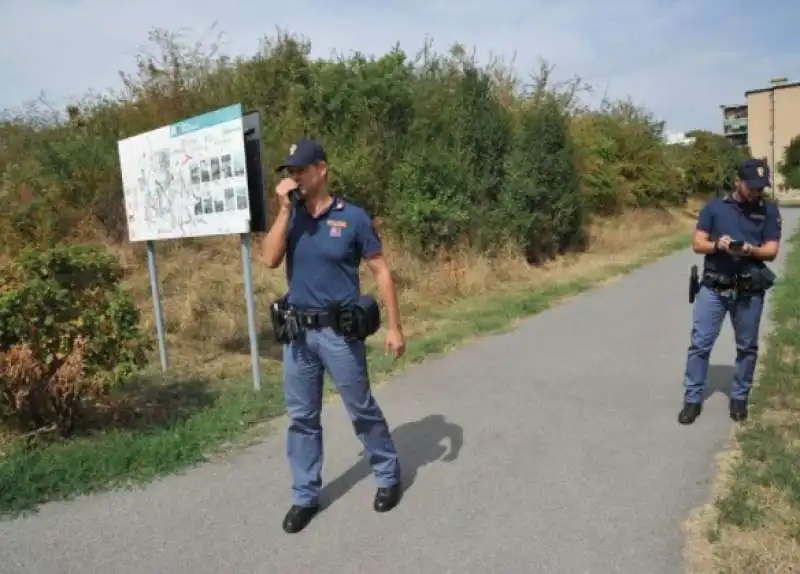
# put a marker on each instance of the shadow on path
(418, 443)
(720, 379)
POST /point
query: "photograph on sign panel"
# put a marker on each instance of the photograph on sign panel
(227, 170)
(205, 173)
(241, 198)
(239, 164)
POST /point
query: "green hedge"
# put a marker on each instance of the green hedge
(440, 149)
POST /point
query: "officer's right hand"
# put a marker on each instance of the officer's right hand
(724, 243)
(283, 191)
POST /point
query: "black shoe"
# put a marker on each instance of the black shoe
(387, 498)
(738, 410)
(298, 518)
(689, 413)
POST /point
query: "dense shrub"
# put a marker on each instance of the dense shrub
(442, 150)
(542, 201)
(711, 163)
(67, 333)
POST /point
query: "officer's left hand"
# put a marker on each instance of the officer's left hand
(745, 249)
(395, 343)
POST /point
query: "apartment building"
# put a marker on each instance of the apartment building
(766, 123)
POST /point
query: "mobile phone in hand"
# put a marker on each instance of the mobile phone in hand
(737, 245)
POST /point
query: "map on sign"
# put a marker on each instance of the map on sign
(187, 179)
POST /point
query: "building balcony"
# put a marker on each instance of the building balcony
(735, 126)
(738, 140)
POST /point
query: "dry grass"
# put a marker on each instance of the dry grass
(769, 547)
(203, 297)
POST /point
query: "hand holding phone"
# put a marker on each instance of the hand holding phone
(284, 191)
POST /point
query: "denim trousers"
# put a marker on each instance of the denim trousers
(710, 310)
(305, 361)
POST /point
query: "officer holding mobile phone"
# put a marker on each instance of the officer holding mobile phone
(324, 239)
(737, 235)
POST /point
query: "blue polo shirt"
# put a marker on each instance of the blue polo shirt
(323, 254)
(755, 223)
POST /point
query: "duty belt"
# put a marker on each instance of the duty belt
(357, 321)
(719, 280)
(314, 319)
(740, 283)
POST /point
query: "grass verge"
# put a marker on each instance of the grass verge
(226, 411)
(753, 525)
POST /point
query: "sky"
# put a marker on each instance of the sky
(679, 59)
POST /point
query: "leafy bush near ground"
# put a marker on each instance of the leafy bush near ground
(440, 149)
(67, 333)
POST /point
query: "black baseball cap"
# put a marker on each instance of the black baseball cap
(302, 153)
(754, 173)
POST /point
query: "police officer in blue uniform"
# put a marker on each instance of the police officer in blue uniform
(324, 239)
(737, 234)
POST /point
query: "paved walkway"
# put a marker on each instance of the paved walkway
(553, 449)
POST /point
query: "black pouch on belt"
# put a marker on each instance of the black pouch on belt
(767, 276)
(367, 316)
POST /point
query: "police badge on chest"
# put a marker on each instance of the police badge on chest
(335, 227)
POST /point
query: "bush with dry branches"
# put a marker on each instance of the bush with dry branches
(67, 334)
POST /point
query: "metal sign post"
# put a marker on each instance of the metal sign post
(162, 338)
(257, 201)
(250, 299)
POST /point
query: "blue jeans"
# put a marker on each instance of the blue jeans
(304, 363)
(709, 313)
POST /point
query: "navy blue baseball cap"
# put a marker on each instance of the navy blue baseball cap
(302, 153)
(754, 173)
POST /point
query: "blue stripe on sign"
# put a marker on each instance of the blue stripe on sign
(207, 120)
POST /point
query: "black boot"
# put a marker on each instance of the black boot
(738, 410)
(387, 498)
(689, 413)
(298, 518)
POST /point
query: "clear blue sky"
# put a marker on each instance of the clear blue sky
(680, 59)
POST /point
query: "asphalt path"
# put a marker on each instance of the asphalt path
(551, 449)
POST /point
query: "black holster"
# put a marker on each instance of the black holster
(285, 326)
(694, 283)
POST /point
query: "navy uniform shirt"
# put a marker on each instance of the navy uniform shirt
(323, 254)
(754, 223)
